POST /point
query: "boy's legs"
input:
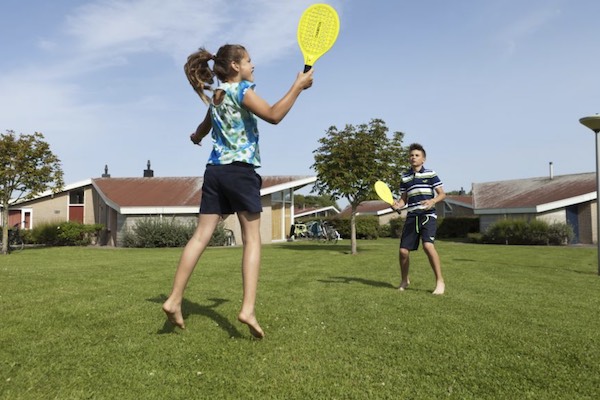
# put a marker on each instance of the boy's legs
(404, 266)
(189, 258)
(436, 265)
(250, 223)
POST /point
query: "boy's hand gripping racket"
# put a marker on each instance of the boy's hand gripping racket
(317, 31)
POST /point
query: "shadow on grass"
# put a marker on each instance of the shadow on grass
(343, 248)
(368, 282)
(349, 279)
(188, 308)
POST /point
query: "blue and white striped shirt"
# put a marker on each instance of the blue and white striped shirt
(419, 186)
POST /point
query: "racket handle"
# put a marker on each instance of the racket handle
(307, 68)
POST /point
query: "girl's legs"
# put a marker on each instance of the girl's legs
(189, 258)
(250, 223)
(436, 265)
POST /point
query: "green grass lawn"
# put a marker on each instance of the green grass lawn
(517, 322)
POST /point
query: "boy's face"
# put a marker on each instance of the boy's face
(416, 159)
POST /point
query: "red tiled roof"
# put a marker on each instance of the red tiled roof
(165, 192)
(532, 192)
(154, 192)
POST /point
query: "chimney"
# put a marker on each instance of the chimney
(148, 173)
(106, 174)
(551, 171)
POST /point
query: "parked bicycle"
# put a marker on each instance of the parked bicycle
(323, 232)
(15, 241)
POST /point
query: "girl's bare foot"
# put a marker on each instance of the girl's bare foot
(440, 288)
(174, 314)
(253, 325)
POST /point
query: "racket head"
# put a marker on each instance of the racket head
(317, 32)
(384, 192)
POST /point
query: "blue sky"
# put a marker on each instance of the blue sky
(493, 89)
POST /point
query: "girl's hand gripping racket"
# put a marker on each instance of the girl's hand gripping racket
(317, 31)
(385, 194)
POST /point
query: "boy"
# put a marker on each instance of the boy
(420, 190)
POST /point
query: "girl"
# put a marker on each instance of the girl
(230, 184)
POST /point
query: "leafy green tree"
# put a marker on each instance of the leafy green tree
(350, 161)
(324, 200)
(27, 168)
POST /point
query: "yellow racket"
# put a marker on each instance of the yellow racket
(317, 31)
(384, 192)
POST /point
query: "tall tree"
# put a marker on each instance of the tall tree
(27, 168)
(350, 161)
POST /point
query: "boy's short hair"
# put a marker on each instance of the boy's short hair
(417, 146)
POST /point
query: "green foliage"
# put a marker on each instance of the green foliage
(367, 227)
(396, 226)
(456, 227)
(349, 161)
(324, 200)
(155, 232)
(63, 234)
(27, 167)
(516, 322)
(534, 232)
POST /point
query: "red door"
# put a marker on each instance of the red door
(76, 214)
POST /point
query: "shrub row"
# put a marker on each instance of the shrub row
(534, 232)
(153, 232)
(62, 234)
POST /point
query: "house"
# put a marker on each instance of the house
(455, 206)
(118, 203)
(569, 199)
(452, 206)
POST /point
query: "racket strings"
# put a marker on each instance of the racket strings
(319, 30)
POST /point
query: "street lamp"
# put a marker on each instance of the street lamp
(593, 123)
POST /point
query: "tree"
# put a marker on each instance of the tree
(324, 200)
(27, 168)
(350, 161)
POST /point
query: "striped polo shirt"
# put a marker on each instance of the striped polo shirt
(419, 186)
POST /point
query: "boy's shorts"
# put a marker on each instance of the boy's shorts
(230, 188)
(415, 227)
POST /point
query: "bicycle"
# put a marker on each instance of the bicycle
(15, 241)
(323, 232)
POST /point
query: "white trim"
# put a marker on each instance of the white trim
(295, 184)
(159, 210)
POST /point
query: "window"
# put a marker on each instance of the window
(76, 196)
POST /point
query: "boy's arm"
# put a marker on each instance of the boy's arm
(440, 195)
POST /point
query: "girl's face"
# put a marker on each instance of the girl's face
(245, 68)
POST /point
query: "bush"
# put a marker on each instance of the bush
(154, 232)
(64, 234)
(367, 227)
(457, 227)
(535, 232)
(396, 226)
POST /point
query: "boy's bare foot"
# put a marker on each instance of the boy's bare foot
(439, 288)
(404, 285)
(253, 325)
(174, 314)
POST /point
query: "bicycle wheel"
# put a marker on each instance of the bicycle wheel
(15, 244)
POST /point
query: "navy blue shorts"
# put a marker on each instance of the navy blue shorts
(230, 188)
(421, 227)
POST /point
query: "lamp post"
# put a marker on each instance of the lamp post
(593, 123)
